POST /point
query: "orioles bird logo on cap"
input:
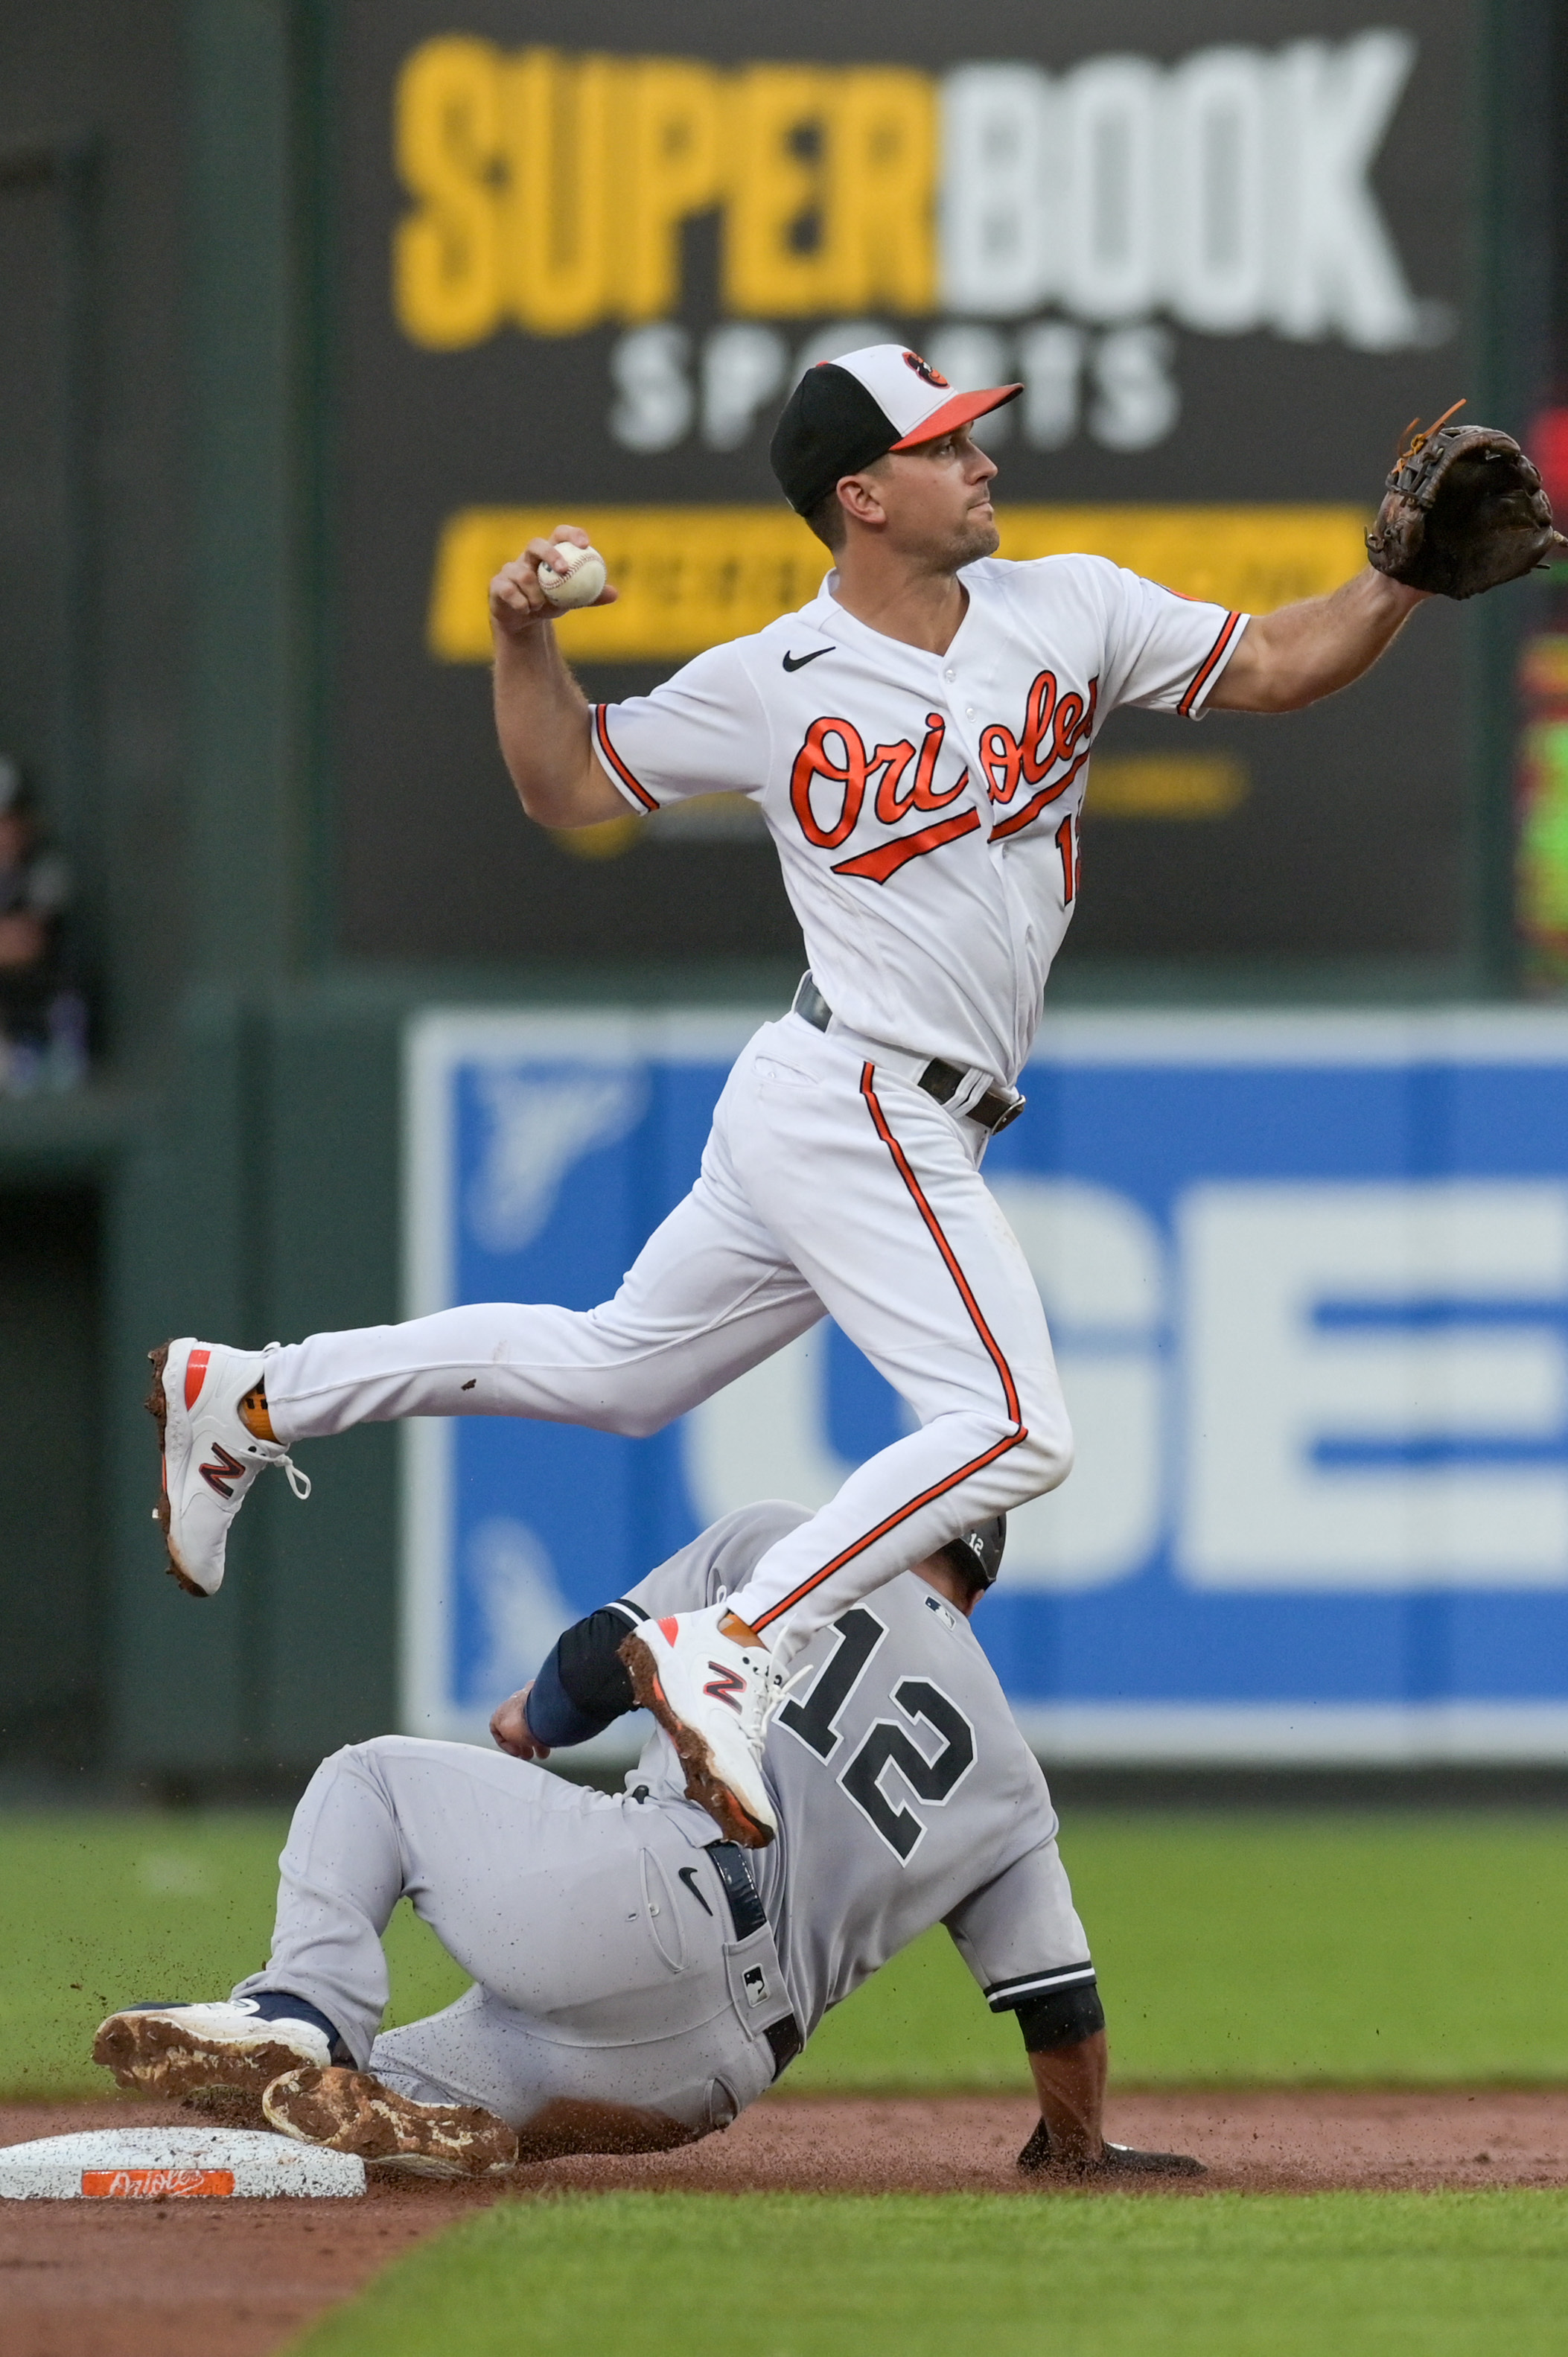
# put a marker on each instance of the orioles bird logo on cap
(924, 368)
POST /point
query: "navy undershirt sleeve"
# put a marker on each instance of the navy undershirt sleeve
(553, 1716)
(584, 1687)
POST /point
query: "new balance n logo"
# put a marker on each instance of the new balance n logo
(723, 1685)
(221, 1476)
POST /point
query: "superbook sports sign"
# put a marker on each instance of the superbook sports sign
(582, 253)
(549, 190)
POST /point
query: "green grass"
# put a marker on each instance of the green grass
(1252, 1947)
(1389, 1946)
(1457, 2274)
(99, 1909)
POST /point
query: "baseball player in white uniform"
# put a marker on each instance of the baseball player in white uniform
(919, 740)
(637, 1982)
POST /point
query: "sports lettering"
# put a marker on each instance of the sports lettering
(890, 807)
(551, 191)
(834, 754)
(1066, 846)
(859, 1634)
(1054, 737)
(814, 760)
(153, 2184)
(888, 857)
(885, 1745)
(1054, 729)
(1002, 758)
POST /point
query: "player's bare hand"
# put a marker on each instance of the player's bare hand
(510, 1730)
(518, 604)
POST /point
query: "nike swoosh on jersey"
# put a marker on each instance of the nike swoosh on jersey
(798, 663)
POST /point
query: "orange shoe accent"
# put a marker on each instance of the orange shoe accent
(195, 1375)
(739, 1631)
(669, 1631)
(255, 1416)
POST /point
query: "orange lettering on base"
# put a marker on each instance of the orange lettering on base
(153, 2184)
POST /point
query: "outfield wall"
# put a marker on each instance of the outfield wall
(1307, 1278)
(245, 492)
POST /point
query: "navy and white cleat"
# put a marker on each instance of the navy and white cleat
(172, 2049)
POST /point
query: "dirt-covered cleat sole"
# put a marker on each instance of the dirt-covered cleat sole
(349, 2111)
(1117, 2160)
(156, 1406)
(724, 1777)
(173, 2050)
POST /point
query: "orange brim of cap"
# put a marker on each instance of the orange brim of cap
(959, 410)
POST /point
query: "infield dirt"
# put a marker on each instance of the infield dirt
(196, 2279)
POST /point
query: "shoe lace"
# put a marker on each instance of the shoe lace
(780, 1688)
(297, 1482)
(766, 1689)
(271, 1453)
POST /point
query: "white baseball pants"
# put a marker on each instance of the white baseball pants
(829, 1182)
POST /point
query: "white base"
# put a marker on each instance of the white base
(162, 2164)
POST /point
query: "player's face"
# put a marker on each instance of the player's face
(936, 500)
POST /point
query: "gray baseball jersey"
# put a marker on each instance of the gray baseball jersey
(906, 1794)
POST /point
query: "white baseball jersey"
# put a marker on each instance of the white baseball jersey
(926, 807)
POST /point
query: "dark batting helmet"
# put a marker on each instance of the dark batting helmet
(977, 1552)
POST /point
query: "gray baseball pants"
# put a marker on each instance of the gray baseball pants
(595, 1928)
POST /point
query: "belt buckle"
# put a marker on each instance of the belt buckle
(811, 1006)
(1009, 1112)
(785, 2041)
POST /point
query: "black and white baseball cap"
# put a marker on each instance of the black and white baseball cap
(848, 412)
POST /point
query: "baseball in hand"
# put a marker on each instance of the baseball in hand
(574, 577)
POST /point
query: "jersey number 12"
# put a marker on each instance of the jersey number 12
(885, 1745)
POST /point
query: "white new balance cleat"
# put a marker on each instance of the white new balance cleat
(211, 1456)
(713, 1693)
(172, 2049)
(349, 2111)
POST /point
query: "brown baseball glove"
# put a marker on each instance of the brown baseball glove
(1464, 511)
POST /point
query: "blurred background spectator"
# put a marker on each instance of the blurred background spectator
(43, 1012)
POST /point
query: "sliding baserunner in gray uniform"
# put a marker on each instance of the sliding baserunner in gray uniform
(637, 1982)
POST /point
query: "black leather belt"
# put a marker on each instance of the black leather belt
(745, 1908)
(748, 1915)
(993, 1111)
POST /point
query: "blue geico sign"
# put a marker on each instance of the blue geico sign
(1308, 1282)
